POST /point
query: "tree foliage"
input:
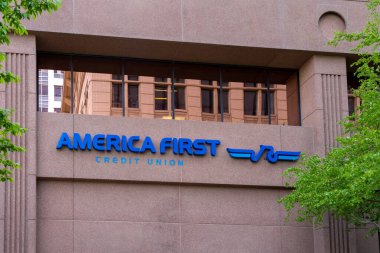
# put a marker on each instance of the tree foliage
(346, 182)
(13, 13)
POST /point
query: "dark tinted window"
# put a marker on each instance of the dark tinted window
(133, 96)
(264, 105)
(225, 101)
(44, 90)
(207, 101)
(117, 95)
(160, 97)
(179, 98)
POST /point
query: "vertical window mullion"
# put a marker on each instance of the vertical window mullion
(72, 85)
(123, 88)
(268, 101)
(172, 93)
(221, 96)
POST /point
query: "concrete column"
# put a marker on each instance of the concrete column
(237, 102)
(193, 100)
(147, 97)
(18, 199)
(323, 87)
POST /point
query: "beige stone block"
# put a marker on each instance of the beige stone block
(315, 120)
(61, 21)
(194, 101)
(297, 239)
(129, 202)
(53, 162)
(236, 94)
(100, 236)
(100, 113)
(55, 200)
(282, 115)
(20, 45)
(281, 95)
(146, 79)
(146, 88)
(207, 238)
(144, 19)
(237, 104)
(101, 87)
(147, 116)
(193, 91)
(293, 110)
(2, 235)
(31, 236)
(146, 99)
(98, 97)
(101, 107)
(292, 85)
(297, 139)
(222, 169)
(55, 236)
(230, 206)
(31, 197)
(311, 96)
(2, 201)
(31, 112)
(194, 111)
(195, 118)
(281, 105)
(237, 114)
(366, 244)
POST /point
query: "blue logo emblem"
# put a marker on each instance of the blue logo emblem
(271, 157)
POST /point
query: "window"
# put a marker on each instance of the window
(179, 94)
(133, 92)
(44, 90)
(160, 94)
(225, 97)
(57, 93)
(44, 109)
(58, 74)
(264, 104)
(95, 86)
(117, 93)
(207, 98)
(250, 100)
(179, 98)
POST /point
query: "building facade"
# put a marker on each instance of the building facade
(137, 111)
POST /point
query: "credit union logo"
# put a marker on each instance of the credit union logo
(271, 156)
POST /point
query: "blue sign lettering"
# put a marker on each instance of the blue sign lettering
(271, 157)
(178, 146)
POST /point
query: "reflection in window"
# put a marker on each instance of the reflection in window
(117, 92)
(179, 98)
(161, 97)
(196, 94)
(133, 92)
(58, 74)
(225, 98)
(49, 90)
(264, 104)
(250, 100)
(57, 93)
(207, 99)
(44, 90)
